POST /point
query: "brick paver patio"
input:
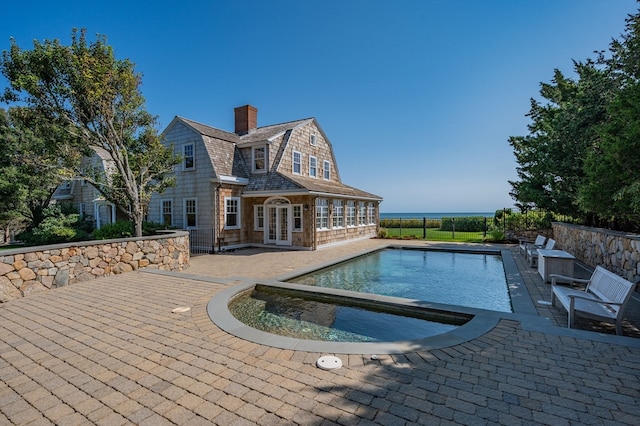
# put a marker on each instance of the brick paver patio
(112, 352)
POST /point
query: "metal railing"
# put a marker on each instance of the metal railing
(201, 240)
(451, 229)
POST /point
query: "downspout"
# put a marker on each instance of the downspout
(314, 230)
(216, 215)
(216, 219)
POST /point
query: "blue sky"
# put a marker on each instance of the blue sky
(418, 98)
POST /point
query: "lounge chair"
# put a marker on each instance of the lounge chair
(604, 298)
(538, 243)
(532, 252)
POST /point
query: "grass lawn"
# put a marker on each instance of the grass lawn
(434, 234)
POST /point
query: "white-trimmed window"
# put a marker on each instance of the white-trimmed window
(322, 213)
(338, 214)
(190, 212)
(362, 213)
(313, 166)
(296, 160)
(326, 170)
(312, 140)
(260, 159)
(258, 218)
(297, 218)
(166, 212)
(81, 210)
(231, 212)
(188, 157)
(371, 210)
(351, 213)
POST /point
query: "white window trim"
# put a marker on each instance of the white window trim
(312, 140)
(238, 213)
(361, 214)
(293, 221)
(324, 207)
(326, 170)
(371, 212)
(253, 159)
(351, 208)
(184, 212)
(256, 223)
(338, 204)
(315, 175)
(162, 201)
(293, 162)
(193, 153)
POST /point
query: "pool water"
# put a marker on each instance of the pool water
(463, 279)
(301, 318)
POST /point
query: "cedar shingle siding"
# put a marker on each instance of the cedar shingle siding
(224, 172)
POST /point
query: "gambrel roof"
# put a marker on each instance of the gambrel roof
(224, 152)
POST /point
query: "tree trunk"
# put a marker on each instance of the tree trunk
(137, 218)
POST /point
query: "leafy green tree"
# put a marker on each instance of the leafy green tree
(30, 168)
(85, 91)
(612, 185)
(551, 159)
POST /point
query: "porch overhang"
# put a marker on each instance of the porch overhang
(296, 192)
(232, 180)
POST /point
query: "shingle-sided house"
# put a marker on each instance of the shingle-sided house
(85, 197)
(275, 185)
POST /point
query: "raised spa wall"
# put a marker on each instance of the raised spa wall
(34, 269)
(618, 252)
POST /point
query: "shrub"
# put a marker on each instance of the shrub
(120, 229)
(409, 223)
(383, 233)
(60, 225)
(463, 224)
(151, 228)
(495, 235)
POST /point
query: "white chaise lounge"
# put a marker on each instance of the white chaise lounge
(604, 298)
(538, 243)
(532, 252)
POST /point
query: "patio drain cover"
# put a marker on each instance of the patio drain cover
(329, 362)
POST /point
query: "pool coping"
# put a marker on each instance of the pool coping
(482, 322)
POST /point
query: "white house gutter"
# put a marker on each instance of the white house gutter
(231, 180)
(313, 193)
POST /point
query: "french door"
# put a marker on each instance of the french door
(278, 225)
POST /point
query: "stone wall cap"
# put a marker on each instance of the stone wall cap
(629, 235)
(162, 234)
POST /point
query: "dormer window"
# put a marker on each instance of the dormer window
(188, 157)
(326, 170)
(260, 160)
(312, 140)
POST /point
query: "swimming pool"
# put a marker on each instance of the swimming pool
(475, 280)
(473, 321)
(308, 316)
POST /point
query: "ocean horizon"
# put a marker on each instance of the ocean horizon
(433, 215)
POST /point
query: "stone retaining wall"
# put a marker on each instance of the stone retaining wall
(618, 252)
(33, 269)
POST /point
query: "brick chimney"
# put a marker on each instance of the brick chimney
(246, 119)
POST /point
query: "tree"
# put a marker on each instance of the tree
(552, 157)
(94, 97)
(30, 168)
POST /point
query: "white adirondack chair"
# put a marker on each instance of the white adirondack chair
(532, 252)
